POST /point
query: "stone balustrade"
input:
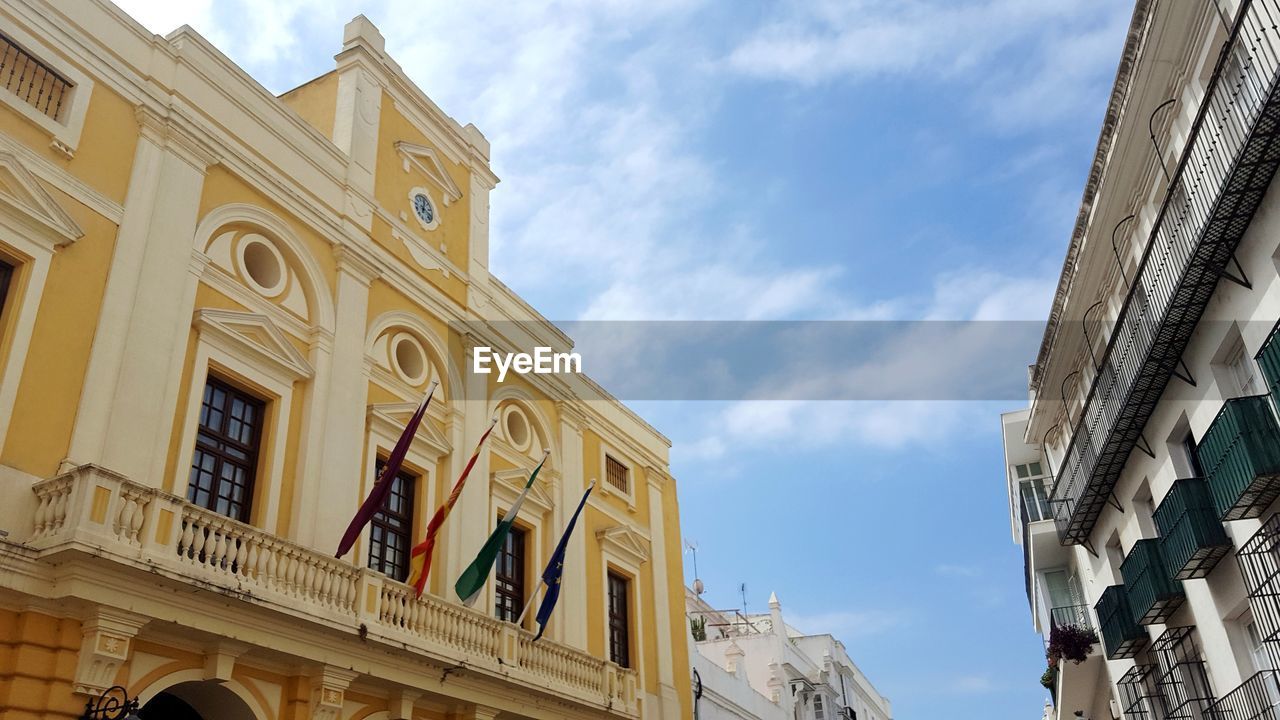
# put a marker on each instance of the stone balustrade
(107, 514)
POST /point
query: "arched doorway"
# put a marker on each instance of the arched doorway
(196, 700)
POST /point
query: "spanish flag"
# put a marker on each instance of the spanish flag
(420, 556)
(382, 488)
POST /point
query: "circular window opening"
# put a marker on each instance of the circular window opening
(517, 427)
(262, 265)
(409, 358)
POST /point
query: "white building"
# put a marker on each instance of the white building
(757, 667)
(1142, 478)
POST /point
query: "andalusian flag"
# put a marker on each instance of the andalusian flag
(420, 556)
(382, 487)
(472, 581)
(555, 568)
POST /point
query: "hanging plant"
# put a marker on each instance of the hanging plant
(1070, 642)
(1048, 679)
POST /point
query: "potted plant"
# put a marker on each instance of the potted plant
(699, 628)
(1070, 642)
(1049, 679)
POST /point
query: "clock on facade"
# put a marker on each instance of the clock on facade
(423, 208)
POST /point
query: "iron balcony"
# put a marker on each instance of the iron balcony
(1240, 454)
(1192, 538)
(1121, 636)
(1153, 593)
(1231, 155)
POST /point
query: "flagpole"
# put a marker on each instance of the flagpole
(525, 611)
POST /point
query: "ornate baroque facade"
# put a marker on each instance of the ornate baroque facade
(219, 307)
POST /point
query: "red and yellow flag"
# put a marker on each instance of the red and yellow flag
(420, 556)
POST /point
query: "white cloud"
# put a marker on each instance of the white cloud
(845, 624)
(972, 685)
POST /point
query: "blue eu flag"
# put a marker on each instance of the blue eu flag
(555, 567)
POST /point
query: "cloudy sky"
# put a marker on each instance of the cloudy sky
(782, 160)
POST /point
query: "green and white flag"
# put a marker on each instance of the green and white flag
(473, 578)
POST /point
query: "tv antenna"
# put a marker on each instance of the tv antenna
(691, 546)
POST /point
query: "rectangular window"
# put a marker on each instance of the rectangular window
(617, 474)
(35, 83)
(1193, 460)
(226, 455)
(1244, 381)
(819, 712)
(510, 577)
(391, 529)
(619, 621)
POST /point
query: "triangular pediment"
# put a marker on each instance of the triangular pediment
(622, 540)
(22, 193)
(391, 418)
(254, 337)
(507, 484)
(427, 162)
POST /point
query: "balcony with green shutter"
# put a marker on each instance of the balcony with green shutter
(1122, 637)
(1269, 360)
(1192, 538)
(1240, 454)
(1153, 593)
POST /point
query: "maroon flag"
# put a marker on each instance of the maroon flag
(382, 487)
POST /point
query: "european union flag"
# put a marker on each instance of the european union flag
(555, 567)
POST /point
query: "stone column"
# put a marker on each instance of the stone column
(145, 317)
(470, 523)
(330, 461)
(571, 628)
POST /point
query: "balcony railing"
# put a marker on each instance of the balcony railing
(1259, 560)
(1257, 698)
(1227, 163)
(1140, 694)
(1121, 636)
(1153, 593)
(1269, 360)
(1183, 682)
(1070, 616)
(37, 84)
(1192, 538)
(96, 511)
(1240, 454)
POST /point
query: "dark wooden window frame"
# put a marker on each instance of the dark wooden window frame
(6, 279)
(618, 599)
(509, 579)
(216, 443)
(394, 525)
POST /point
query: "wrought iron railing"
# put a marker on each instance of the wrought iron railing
(1140, 694)
(1259, 561)
(1269, 360)
(37, 84)
(1184, 683)
(1228, 162)
(1192, 538)
(1240, 454)
(1070, 616)
(1153, 593)
(1121, 636)
(1257, 698)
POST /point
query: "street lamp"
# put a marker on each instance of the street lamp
(113, 704)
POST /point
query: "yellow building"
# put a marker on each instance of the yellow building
(219, 309)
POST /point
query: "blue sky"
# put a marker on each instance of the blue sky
(748, 160)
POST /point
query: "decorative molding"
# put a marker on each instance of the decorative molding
(389, 420)
(104, 647)
(328, 691)
(427, 162)
(625, 542)
(23, 195)
(507, 484)
(255, 340)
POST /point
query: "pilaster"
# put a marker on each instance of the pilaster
(106, 641)
(328, 691)
(473, 526)
(146, 309)
(337, 414)
(573, 590)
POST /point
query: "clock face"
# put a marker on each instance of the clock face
(423, 208)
